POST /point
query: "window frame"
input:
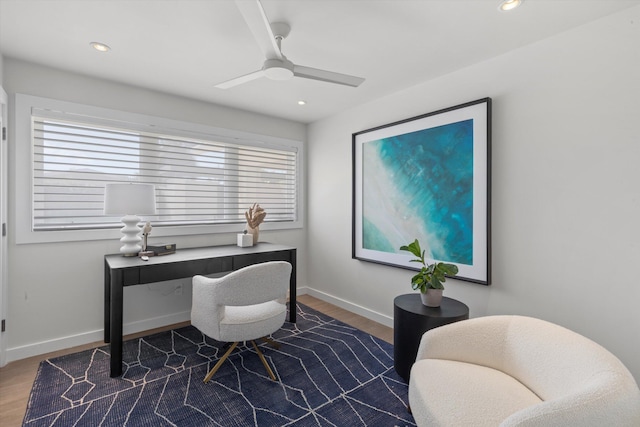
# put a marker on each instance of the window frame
(24, 158)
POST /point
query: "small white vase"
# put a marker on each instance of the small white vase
(432, 298)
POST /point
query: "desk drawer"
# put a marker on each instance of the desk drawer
(240, 261)
(185, 269)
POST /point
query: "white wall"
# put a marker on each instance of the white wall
(56, 289)
(565, 193)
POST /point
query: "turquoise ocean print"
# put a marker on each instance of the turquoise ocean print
(420, 185)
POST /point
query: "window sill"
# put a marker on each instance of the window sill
(32, 237)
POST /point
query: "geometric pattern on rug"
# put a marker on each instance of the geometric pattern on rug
(331, 374)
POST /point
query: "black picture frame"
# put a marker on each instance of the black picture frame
(427, 178)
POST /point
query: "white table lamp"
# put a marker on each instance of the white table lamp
(130, 200)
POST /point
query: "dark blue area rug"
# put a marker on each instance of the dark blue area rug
(330, 374)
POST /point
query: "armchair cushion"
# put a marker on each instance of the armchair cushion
(242, 323)
(464, 394)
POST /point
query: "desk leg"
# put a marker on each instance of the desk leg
(116, 302)
(293, 289)
(107, 303)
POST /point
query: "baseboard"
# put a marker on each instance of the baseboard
(96, 336)
(354, 308)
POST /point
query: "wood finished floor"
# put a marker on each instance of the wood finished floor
(17, 377)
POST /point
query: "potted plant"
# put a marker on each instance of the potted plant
(431, 276)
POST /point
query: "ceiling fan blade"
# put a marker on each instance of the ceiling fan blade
(240, 80)
(326, 76)
(258, 23)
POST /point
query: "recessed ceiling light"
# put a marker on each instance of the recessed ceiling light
(100, 47)
(301, 102)
(509, 4)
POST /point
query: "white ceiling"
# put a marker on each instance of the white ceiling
(185, 47)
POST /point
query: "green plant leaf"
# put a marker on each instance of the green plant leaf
(435, 283)
(414, 248)
(448, 269)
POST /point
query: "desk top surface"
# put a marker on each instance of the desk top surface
(116, 261)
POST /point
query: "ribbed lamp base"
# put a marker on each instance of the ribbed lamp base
(131, 236)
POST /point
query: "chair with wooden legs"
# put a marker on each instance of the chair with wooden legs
(244, 305)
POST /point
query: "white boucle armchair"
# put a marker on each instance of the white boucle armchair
(244, 305)
(512, 371)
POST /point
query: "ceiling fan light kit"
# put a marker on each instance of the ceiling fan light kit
(278, 69)
(276, 66)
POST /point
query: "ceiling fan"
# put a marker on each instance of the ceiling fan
(276, 66)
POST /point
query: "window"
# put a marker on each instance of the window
(202, 179)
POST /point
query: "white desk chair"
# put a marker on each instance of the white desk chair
(244, 305)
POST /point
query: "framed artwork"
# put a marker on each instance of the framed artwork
(426, 178)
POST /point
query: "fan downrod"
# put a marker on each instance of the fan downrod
(274, 68)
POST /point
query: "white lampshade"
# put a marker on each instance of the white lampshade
(134, 199)
(130, 200)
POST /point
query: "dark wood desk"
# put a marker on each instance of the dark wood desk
(120, 271)
(411, 319)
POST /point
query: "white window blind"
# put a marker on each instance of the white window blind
(198, 180)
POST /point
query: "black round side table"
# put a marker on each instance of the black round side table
(411, 319)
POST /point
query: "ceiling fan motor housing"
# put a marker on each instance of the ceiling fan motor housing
(278, 69)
